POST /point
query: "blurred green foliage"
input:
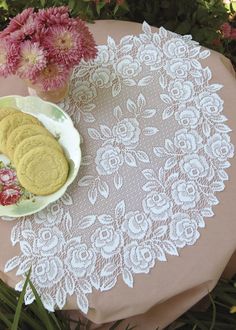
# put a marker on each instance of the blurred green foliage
(229, 45)
(15, 315)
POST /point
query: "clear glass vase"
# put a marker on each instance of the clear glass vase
(55, 95)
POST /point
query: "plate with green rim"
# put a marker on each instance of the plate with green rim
(15, 201)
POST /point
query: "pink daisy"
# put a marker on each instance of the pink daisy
(30, 26)
(34, 39)
(27, 30)
(63, 45)
(16, 37)
(53, 16)
(8, 58)
(39, 35)
(89, 50)
(52, 77)
(32, 60)
(17, 22)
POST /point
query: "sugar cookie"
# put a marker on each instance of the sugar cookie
(5, 111)
(43, 170)
(22, 132)
(32, 142)
(10, 122)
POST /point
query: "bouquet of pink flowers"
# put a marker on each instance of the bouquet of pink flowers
(43, 46)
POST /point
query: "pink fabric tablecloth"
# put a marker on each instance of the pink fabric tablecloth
(172, 287)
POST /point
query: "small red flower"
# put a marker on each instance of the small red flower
(216, 42)
(10, 195)
(7, 177)
(226, 30)
(233, 34)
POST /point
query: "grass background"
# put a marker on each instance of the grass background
(15, 315)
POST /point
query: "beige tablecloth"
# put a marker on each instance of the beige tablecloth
(171, 287)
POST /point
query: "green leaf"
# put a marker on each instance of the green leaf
(20, 303)
(71, 4)
(55, 320)
(42, 311)
(184, 28)
(231, 6)
(125, 6)
(99, 6)
(213, 313)
(115, 325)
(5, 320)
(115, 9)
(7, 301)
(3, 4)
(130, 327)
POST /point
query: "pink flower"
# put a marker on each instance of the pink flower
(17, 22)
(10, 195)
(8, 57)
(4, 70)
(25, 31)
(7, 176)
(52, 77)
(32, 60)
(226, 30)
(63, 45)
(30, 26)
(89, 49)
(54, 16)
(34, 40)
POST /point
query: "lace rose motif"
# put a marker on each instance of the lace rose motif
(139, 258)
(80, 259)
(183, 230)
(119, 147)
(179, 167)
(158, 206)
(136, 224)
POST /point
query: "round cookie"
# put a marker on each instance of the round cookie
(33, 142)
(7, 111)
(42, 170)
(22, 132)
(10, 122)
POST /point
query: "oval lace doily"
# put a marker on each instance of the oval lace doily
(155, 149)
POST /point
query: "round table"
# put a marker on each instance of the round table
(172, 287)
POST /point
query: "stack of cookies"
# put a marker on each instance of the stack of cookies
(40, 163)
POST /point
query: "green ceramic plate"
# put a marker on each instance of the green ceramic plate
(61, 126)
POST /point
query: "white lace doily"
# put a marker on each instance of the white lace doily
(155, 149)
